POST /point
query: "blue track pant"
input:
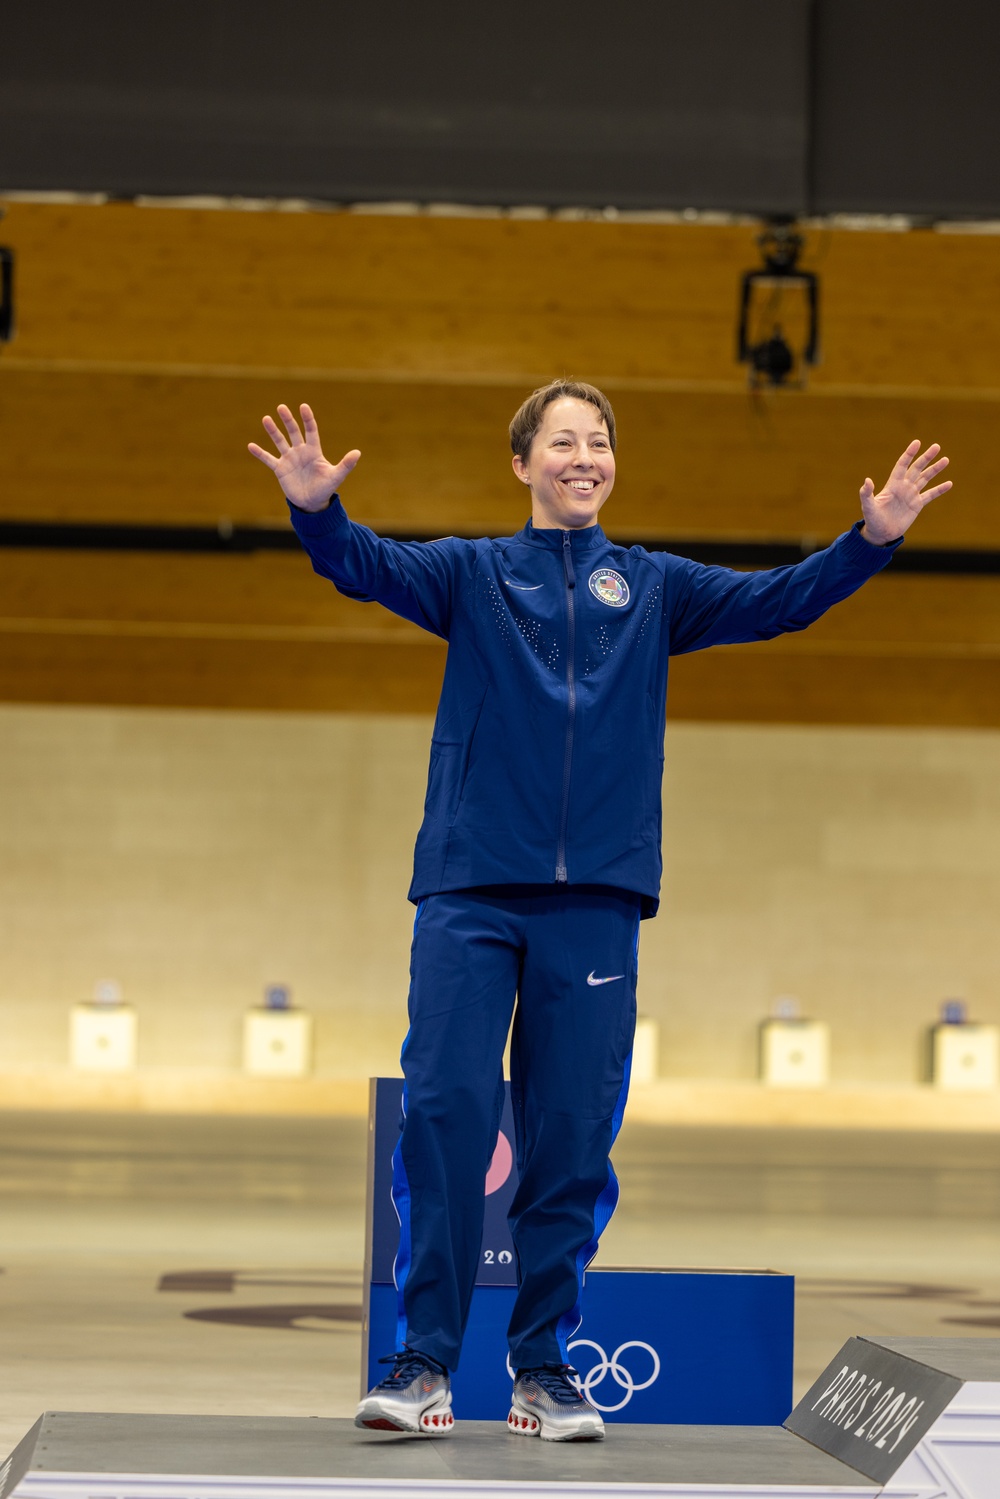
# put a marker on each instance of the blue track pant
(570, 958)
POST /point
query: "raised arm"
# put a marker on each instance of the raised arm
(307, 479)
(413, 579)
(719, 606)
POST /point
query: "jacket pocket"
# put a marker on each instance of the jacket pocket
(444, 781)
(449, 770)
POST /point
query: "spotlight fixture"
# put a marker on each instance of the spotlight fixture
(779, 312)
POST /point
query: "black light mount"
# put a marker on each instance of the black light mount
(6, 293)
(767, 302)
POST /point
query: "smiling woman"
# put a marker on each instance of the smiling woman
(538, 854)
(563, 438)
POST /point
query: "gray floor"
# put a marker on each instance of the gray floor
(213, 1266)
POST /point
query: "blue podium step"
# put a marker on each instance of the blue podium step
(663, 1346)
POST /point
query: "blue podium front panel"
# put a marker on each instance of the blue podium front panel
(690, 1347)
(680, 1347)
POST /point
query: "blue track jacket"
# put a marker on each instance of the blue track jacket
(547, 754)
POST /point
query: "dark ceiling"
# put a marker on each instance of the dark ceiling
(774, 106)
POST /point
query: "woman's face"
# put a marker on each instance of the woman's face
(570, 468)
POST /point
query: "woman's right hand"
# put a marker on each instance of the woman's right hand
(307, 479)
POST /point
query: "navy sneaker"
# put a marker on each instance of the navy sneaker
(547, 1403)
(415, 1397)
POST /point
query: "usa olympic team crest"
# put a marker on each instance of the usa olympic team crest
(610, 587)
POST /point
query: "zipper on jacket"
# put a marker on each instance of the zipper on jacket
(562, 876)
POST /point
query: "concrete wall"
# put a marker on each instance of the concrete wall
(858, 869)
(197, 856)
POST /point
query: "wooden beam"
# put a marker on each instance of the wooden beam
(759, 684)
(274, 593)
(482, 297)
(764, 684)
(278, 594)
(176, 671)
(264, 632)
(126, 447)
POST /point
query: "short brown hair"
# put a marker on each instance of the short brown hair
(528, 417)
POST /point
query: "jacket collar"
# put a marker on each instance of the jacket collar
(580, 541)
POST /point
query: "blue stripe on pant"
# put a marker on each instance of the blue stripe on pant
(570, 957)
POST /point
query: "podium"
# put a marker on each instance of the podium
(656, 1345)
(890, 1418)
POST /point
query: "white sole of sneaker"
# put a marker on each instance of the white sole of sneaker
(436, 1421)
(522, 1423)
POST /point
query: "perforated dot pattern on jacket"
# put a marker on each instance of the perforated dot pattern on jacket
(615, 632)
(542, 641)
(497, 612)
(503, 616)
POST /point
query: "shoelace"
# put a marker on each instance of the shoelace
(406, 1366)
(556, 1380)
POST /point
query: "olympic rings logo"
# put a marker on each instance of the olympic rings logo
(606, 1366)
(621, 1376)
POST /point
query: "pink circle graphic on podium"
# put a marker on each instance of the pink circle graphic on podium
(503, 1160)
